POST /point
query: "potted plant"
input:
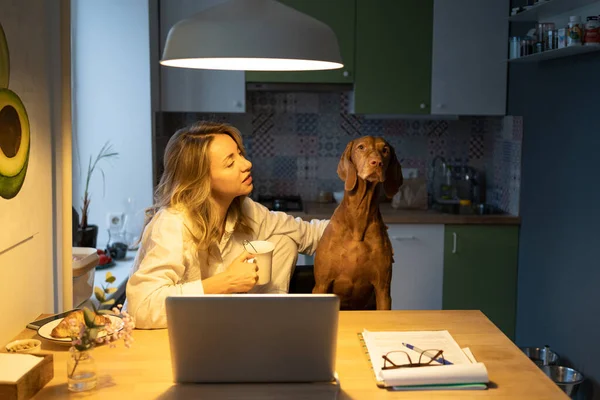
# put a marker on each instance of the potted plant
(87, 234)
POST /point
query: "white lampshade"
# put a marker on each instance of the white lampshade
(252, 35)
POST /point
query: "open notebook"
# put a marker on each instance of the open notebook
(464, 373)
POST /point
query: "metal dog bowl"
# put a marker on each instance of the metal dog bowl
(566, 378)
(539, 354)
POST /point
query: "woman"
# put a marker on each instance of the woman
(193, 237)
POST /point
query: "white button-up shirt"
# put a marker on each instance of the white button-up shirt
(169, 264)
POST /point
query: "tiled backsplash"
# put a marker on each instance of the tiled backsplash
(295, 140)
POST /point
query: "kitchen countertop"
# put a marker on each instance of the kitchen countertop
(390, 215)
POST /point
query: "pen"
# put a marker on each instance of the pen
(418, 350)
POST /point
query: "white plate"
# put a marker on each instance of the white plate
(45, 330)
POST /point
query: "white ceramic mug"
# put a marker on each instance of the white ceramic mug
(264, 255)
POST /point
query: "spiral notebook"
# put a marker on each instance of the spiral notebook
(465, 373)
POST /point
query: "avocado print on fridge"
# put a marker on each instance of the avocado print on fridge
(14, 131)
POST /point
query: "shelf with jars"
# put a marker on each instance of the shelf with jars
(544, 9)
(563, 28)
(556, 53)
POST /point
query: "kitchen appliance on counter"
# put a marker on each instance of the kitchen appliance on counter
(281, 203)
(451, 184)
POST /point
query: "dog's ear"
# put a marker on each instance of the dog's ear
(346, 169)
(393, 175)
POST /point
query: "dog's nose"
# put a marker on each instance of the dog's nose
(376, 163)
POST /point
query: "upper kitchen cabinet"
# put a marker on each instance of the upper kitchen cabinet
(195, 90)
(469, 69)
(442, 57)
(340, 15)
(393, 57)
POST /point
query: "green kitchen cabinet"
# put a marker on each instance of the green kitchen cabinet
(393, 57)
(340, 15)
(480, 272)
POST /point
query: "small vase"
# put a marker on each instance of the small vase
(81, 370)
(87, 237)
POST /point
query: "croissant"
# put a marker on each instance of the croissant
(62, 330)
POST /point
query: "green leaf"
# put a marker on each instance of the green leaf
(88, 316)
(110, 290)
(108, 302)
(99, 293)
(93, 333)
(105, 312)
(110, 279)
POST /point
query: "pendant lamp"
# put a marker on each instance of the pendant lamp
(252, 35)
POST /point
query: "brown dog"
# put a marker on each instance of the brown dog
(354, 256)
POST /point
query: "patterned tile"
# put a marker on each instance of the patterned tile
(437, 128)
(248, 141)
(283, 104)
(263, 187)
(307, 124)
(329, 146)
(329, 103)
(479, 125)
(436, 146)
(295, 140)
(372, 127)
(495, 124)
(284, 187)
(262, 102)
(307, 103)
(284, 124)
(308, 189)
(306, 167)
(262, 168)
(262, 124)
(308, 146)
(327, 167)
(415, 147)
(345, 102)
(329, 125)
(518, 129)
(395, 127)
(351, 124)
(284, 168)
(263, 146)
(476, 147)
(331, 185)
(286, 145)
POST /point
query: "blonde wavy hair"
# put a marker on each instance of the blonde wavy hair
(185, 182)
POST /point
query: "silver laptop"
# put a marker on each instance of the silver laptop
(253, 338)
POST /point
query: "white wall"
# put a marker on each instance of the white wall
(27, 271)
(111, 101)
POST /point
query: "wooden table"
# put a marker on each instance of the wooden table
(144, 371)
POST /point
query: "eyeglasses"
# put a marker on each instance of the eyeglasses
(401, 359)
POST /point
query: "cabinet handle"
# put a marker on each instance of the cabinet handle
(455, 237)
(401, 238)
(346, 73)
(422, 106)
